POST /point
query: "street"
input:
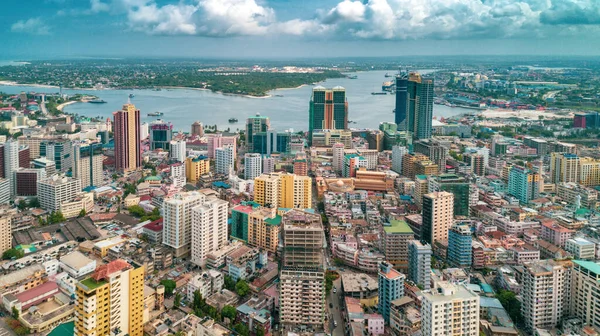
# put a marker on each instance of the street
(334, 299)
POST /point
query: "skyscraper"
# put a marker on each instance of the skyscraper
(270, 142)
(395, 244)
(398, 153)
(460, 246)
(254, 125)
(197, 129)
(59, 151)
(456, 185)
(449, 309)
(391, 287)
(585, 288)
(11, 163)
(178, 150)
(252, 165)
(177, 221)
(128, 155)
(438, 216)
(419, 263)
(161, 133)
(523, 184)
(414, 104)
(338, 156)
(225, 159)
(209, 228)
(328, 109)
(87, 164)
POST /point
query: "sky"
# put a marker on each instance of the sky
(46, 29)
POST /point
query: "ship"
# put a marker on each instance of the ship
(131, 95)
(378, 93)
(388, 86)
(97, 101)
(387, 74)
(233, 120)
(352, 77)
(155, 114)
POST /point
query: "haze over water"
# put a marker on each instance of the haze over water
(184, 106)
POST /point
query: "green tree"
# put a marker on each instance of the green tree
(136, 210)
(242, 288)
(169, 286)
(34, 203)
(56, 217)
(229, 312)
(260, 331)
(177, 300)
(15, 312)
(10, 253)
(199, 302)
(82, 213)
(329, 282)
(509, 301)
(229, 283)
(22, 205)
(242, 329)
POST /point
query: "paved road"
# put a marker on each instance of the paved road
(334, 299)
(5, 329)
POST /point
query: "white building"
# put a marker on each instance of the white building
(585, 288)
(177, 171)
(5, 232)
(207, 283)
(268, 165)
(144, 131)
(11, 163)
(371, 155)
(252, 165)
(4, 191)
(209, 228)
(397, 153)
(338, 156)
(178, 149)
(225, 157)
(177, 220)
(77, 265)
(581, 248)
(449, 309)
(55, 190)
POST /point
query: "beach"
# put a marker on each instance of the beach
(61, 106)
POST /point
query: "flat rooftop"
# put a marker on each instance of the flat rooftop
(397, 226)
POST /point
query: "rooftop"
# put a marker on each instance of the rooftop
(92, 284)
(75, 260)
(398, 226)
(155, 226)
(589, 265)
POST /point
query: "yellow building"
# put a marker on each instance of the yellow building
(564, 167)
(589, 171)
(196, 167)
(426, 167)
(266, 190)
(83, 201)
(263, 229)
(111, 301)
(295, 191)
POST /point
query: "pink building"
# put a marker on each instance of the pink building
(375, 324)
(554, 233)
(218, 140)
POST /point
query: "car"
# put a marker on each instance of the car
(334, 290)
(334, 323)
(330, 305)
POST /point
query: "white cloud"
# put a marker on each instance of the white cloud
(33, 26)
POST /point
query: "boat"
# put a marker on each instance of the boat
(131, 95)
(387, 74)
(155, 114)
(278, 95)
(352, 77)
(97, 101)
(233, 120)
(379, 93)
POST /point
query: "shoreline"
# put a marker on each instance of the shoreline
(521, 114)
(63, 105)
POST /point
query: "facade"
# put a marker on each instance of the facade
(178, 150)
(225, 159)
(524, 184)
(209, 228)
(329, 137)
(177, 221)
(414, 105)
(26, 181)
(460, 246)
(263, 229)
(574, 193)
(197, 129)
(177, 174)
(239, 220)
(391, 287)
(128, 154)
(589, 172)
(295, 191)
(87, 164)
(419, 263)
(338, 157)
(59, 151)
(581, 248)
(564, 167)
(11, 163)
(266, 190)
(438, 216)
(396, 237)
(252, 165)
(301, 165)
(449, 309)
(4, 191)
(5, 232)
(434, 149)
(352, 163)
(585, 290)
(161, 134)
(398, 153)
(456, 185)
(195, 167)
(328, 109)
(254, 125)
(219, 140)
(111, 301)
(302, 274)
(54, 191)
(271, 141)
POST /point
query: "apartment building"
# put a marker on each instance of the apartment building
(438, 216)
(209, 228)
(585, 284)
(5, 232)
(419, 263)
(195, 167)
(55, 190)
(225, 159)
(282, 190)
(449, 309)
(396, 237)
(391, 287)
(460, 246)
(252, 165)
(263, 229)
(177, 221)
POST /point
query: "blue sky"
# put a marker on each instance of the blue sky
(44, 29)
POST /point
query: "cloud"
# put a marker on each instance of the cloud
(33, 26)
(572, 12)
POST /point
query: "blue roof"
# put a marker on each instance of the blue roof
(220, 184)
(489, 302)
(487, 288)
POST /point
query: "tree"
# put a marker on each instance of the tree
(229, 283)
(260, 331)
(22, 205)
(177, 300)
(169, 286)
(15, 312)
(199, 302)
(10, 253)
(229, 312)
(34, 203)
(56, 217)
(509, 301)
(82, 213)
(242, 329)
(242, 288)
(136, 210)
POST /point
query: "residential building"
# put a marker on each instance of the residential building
(26, 181)
(77, 264)
(524, 184)
(177, 221)
(396, 237)
(218, 140)
(398, 153)
(177, 174)
(328, 109)
(209, 228)
(449, 309)
(434, 149)
(178, 150)
(268, 164)
(254, 125)
(564, 167)
(5, 232)
(329, 137)
(460, 246)
(589, 172)
(454, 184)
(414, 104)
(419, 263)
(87, 164)
(577, 195)
(11, 163)
(266, 190)
(585, 288)
(352, 163)
(239, 220)
(111, 301)
(252, 165)
(128, 154)
(338, 157)
(391, 287)
(294, 191)
(301, 165)
(207, 283)
(4, 191)
(161, 134)
(195, 167)
(409, 163)
(581, 248)
(263, 229)
(55, 190)
(225, 160)
(47, 165)
(438, 216)
(154, 231)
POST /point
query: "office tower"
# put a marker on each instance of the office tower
(111, 301)
(391, 287)
(144, 131)
(24, 156)
(197, 129)
(295, 191)
(2, 149)
(434, 150)
(209, 228)
(460, 246)
(4, 191)
(268, 165)
(239, 220)
(414, 104)
(263, 229)
(338, 157)
(5, 232)
(161, 134)
(477, 164)
(219, 140)
(564, 167)
(398, 153)
(47, 165)
(177, 221)
(11, 163)
(545, 293)
(225, 159)
(128, 154)
(449, 309)
(438, 216)
(252, 165)
(266, 190)
(195, 167)
(302, 273)
(301, 165)
(352, 163)
(59, 151)
(254, 125)
(456, 185)
(524, 184)
(270, 142)
(178, 150)
(328, 109)
(585, 286)
(26, 181)
(419, 264)
(589, 172)
(55, 190)
(395, 244)
(87, 164)
(177, 173)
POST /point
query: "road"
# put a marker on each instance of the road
(334, 299)
(5, 329)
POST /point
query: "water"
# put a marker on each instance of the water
(184, 106)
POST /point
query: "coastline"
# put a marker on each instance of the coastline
(12, 83)
(61, 106)
(521, 114)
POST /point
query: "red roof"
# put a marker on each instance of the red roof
(145, 198)
(105, 271)
(156, 226)
(243, 208)
(48, 287)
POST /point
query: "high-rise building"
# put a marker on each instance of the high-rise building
(177, 221)
(197, 129)
(218, 140)
(263, 229)
(449, 309)
(435, 150)
(239, 219)
(589, 171)
(302, 274)
(585, 288)
(328, 109)
(111, 301)
(254, 125)
(477, 164)
(209, 228)
(195, 167)
(419, 263)
(414, 104)
(545, 292)
(225, 159)
(59, 151)
(4, 191)
(564, 167)
(5, 232)
(24, 156)
(524, 184)
(11, 163)
(128, 154)
(266, 190)
(456, 185)
(395, 244)
(460, 246)
(26, 181)
(177, 172)
(87, 164)
(144, 131)
(178, 150)
(398, 153)
(438, 216)
(301, 165)
(391, 287)
(581, 248)
(295, 191)
(161, 134)
(352, 163)
(55, 190)
(268, 164)
(271, 141)
(338, 157)
(252, 165)
(409, 163)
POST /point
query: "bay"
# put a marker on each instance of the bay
(287, 108)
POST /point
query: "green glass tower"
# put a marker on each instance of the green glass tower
(328, 109)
